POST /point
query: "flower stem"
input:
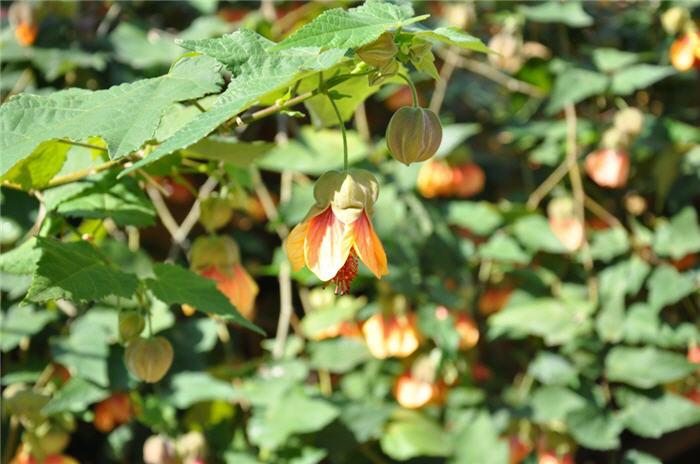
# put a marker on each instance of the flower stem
(413, 88)
(342, 130)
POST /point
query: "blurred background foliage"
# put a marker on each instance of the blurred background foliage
(540, 336)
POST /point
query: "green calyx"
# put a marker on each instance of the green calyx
(347, 192)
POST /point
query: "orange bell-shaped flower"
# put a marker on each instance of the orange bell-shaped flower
(337, 230)
(685, 51)
(608, 168)
(218, 258)
(392, 336)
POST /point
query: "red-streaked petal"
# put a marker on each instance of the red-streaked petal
(368, 247)
(328, 244)
(295, 245)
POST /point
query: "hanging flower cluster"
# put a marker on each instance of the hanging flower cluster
(337, 233)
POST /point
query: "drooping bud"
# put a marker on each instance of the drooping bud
(131, 324)
(149, 359)
(348, 193)
(564, 223)
(629, 121)
(674, 19)
(608, 168)
(614, 139)
(219, 251)
(380, 52)
(413, 134)
(685, 50)
(215, 212)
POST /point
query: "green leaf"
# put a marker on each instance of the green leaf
(556, 321)
(314, 152)
(502, 247)
(366, 420)
(36, 170)
(188, 388)
(534, 232)
(553, 403)
(637, 457)
(575, 85)
(609, 243)
(339, 28)
(176, 285)
(570, 13)
(479, 442)
(76, 271)
(638, 77)
(53, 62)
(611, 59)
(85, 351)
(143, 49)
(679, 236)
(19, 322)
(338, 355)
(666, 286)
(481, 218)
(595, 428)
(553, 369)
(454, 36)
(21, 259)
(125, 116)
(75, 396)
(413, 437)
(123, 201)
(229, 150)
(257, 70)
(654, 416)
(645, 367)
(295, 413)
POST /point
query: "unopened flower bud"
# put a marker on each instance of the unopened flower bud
(149, 359)
(414, 134)
(379, 52)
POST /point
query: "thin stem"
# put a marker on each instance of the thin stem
(342, 130)
(413, 88)
(441, 86)
(72, 177)
(82, 144)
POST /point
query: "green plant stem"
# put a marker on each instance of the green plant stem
(73, 176)
(81, 144)
(342, 130)
(413, 88)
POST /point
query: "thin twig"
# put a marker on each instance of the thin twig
(598, 209)
(83, 144)
(162, 209)
(191, 219)
(446, 71)
(74, 176)
(361, 123)
(489, 72)
(579, 194)
(153, 182)
(549, 183)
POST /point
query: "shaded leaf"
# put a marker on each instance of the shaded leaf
(413, 437)
(575, 85)
(638, 77)
(75, 396)
(645, 367)
(679, 236)
(570, 13)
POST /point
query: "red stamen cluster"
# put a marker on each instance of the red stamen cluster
(346, 274)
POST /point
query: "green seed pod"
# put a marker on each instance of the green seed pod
(220, 251)
(413, 134)
(131, 324)
(379, 52)
(149, 359)
(215, 212)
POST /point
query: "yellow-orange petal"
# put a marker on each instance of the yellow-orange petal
(295, 245)
(328, 244)
(368, 247)
(242, 291)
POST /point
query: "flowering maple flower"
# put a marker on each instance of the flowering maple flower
(218, 258)
(337, 231)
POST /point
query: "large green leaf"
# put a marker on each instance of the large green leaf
(176, 285)
(188, 388)
(653, 416)
(314, 152)
(570, 13)
(609, 243)
(666, 286)
(479, 442)
(257, 70)
(453, 36)
(125, 116)
(339, 28)
(645, 367)
(553, 403)
(575, 85)
(480, 218)
(102, 196)
(76, 271)
(595, 428)
(75, 396)
(415, 436)
(557, 321)
(19, 322)
(679, 236)
(295, 413)
(553, 369)
(339, 355)
(36, 170)
(638, 77)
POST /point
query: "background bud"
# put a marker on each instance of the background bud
(131, 324)
(413, 134)
(149, 359)
(215, 212)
